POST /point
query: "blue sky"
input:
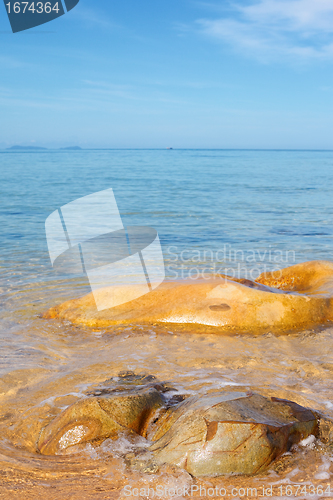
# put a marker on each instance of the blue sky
(180, 73)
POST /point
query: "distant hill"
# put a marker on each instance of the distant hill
(25, 147)
(72, 148)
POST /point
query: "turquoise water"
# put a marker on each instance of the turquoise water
(251, 208)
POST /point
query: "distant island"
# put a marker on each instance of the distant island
(25, 147)
(30, 148)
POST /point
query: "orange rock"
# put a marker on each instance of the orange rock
(299, 296)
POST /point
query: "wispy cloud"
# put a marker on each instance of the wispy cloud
(91, 95)
(8, 62)
(147, 92)
(94, 17)
(109, 89)
(100, 18)
(270, 29)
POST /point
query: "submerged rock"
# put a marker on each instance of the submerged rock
(230, 433)
(325, 429)
(100, 418)
(221, 433)
(299, 296)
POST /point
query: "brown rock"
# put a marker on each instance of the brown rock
(221, 433)
(99, 418)
(229, 433)
(325, 429)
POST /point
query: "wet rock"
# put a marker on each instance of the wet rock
(142, 462)
(284, 464)
(127, 381)
(99, 418)
(229, 433)
(220, 433)
(299, 296)
(325, 429)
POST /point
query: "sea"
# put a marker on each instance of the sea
(239, 212)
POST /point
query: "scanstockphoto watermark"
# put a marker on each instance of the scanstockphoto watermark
(226, 260)
(160, 491)
(277, 490)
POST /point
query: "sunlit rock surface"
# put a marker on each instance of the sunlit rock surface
(99, 418)
(300, 296)
(230, 433)
(220, 433)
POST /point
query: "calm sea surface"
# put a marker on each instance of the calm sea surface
(243, 211)
(261, 203)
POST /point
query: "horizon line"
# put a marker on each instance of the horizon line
(43, 149)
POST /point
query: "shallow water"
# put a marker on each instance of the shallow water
(208, 205)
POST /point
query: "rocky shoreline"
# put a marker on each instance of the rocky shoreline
(226, 432)
(209, 435)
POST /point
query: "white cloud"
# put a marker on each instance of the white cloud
(95, 17)
(270, 29)
(103, 88)
(296, 14)
(6, 61)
